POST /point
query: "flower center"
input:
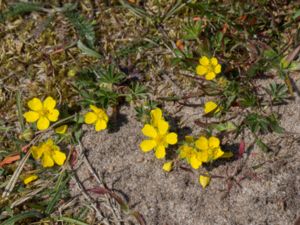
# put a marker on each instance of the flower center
(44, 112)
(159, 139)
(210, 68)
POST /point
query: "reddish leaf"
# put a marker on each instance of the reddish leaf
(9, 159)
(121, 202)
(196, 18)
(74, 158)
(99, 190)
(180, 45)
(241, 149)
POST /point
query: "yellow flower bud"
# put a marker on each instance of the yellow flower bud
(61, 130)
(168, 166)
(72, 73)
(204, 180)
(30, 178)
(26, 135)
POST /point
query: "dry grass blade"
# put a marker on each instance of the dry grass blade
(28, 196)
(12, 182)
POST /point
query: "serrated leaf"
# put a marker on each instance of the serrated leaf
(262, 145)
(87, 51)
(83, 27)
(20, 8)
(228, 126)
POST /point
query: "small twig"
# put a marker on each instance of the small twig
(92, 203)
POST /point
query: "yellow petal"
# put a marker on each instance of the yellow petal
(163, 127)
(217, 153)
(100, 125)
(30, 178)
(47, 161)
(227, 155)
(36, 152)
(53, 115)
(31, 116)
(49, 143)
(210, 76)
(61, 129)
(168, 166)
(35, 104)
(203, 156)
(147, 145)
(204, 61)
(202, 143)
(195, 162)
(149, 131)
(90, 117)
(201, 70)
(171, 138)
(94, 108)
(43, 123)
(156, 115)
(214, 61)
(49, 103)
(59, 157)
(213, 142)
(104, 116)
(160, 152)
(210, 106)
(204, 181)
(217, 69)
(183, 151)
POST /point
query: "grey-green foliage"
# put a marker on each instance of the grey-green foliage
(83, 27)
(19, 9)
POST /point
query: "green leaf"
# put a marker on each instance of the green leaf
(87, 51)
(22, 216)
(192, 30)
(228, 126)
(296, 14)
(109, 75)
(70, 220)
(60, 185)
(19, 108)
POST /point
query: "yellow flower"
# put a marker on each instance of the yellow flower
(49, 152)
(211, 106)
(159, 140)
(204, 180)
(168, 166)
(98, 117)
(30, 178)
(209, 148)
(61, 130)
(42, 112)
(208, 67)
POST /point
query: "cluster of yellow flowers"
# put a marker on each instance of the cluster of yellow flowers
(199, 151)
(45, 112)
(194, 151)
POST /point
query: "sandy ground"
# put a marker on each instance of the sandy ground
(268, 194)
